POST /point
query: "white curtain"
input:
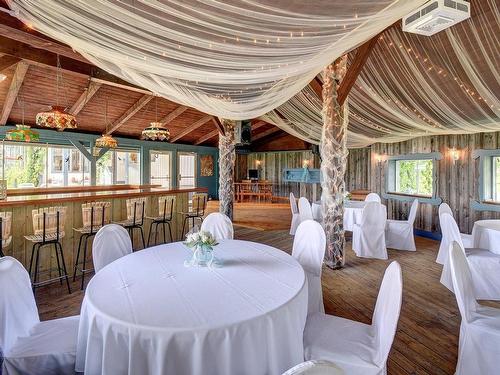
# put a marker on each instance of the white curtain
(236, 59)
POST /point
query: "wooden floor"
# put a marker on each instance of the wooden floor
(427, 335)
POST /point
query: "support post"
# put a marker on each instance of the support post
(333, 149)
(227, 156)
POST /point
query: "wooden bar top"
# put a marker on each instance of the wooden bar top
(89, 193)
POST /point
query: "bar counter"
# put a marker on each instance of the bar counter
(21, 202)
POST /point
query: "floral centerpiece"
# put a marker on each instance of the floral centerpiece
(347, 196)
(203, 244)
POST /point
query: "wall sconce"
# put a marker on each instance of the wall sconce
(378, 158)
(455, 155)
(305, 164)
(257, 163)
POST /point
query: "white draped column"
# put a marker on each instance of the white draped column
(333, 149)
(227, 156)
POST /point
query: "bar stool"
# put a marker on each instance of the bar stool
(5, 233)
(197, 211)
(135, 218)
(48, 228)
(94, 216)
(165, 213)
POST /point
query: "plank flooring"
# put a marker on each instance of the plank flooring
(426, 341)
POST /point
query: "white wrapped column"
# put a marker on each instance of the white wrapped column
(227, 156)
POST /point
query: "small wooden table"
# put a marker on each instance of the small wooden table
(258, 190)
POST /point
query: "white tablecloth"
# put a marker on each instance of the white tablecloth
(486, 234)
(147, 313)
(353, 210)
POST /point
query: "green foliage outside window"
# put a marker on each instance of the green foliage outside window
(28, 169)
(414, 177)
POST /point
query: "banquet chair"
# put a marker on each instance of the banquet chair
(467, 239)
(373, 197)
(309, 249)
(358, 348)
(483, 264)
(295, 214)
(399, 233)
(29, 346)
(135, 218)
(196, 212)
(315, 368)
(5, 231)
(368, 237)
(219, 225)
(110, 243)
(305, 209)
(479, 342)
(166, 206)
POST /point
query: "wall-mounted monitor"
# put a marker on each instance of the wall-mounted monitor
(253, 174)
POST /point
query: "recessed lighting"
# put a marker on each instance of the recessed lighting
(2, 77)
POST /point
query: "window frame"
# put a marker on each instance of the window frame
(170, 166)
(486, 180)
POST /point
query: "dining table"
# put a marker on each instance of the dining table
(150, 313)
(353, 211)
(486, 235)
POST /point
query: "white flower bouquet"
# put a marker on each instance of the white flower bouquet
(203, 244)
(201, 239)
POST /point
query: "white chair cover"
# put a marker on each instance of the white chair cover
(399, 234)
(295, 214)
(219, 225)
(309, 249)
(305, 209)
(28, 346)
(373, 197)
(484, 265)
(315, 368)
(110, 243)
(357, 348)
(467, 239)
(479, 343)
(368, 237)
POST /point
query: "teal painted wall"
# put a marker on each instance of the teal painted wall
(144, 147)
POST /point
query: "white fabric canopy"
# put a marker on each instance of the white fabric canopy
(236, 59)
(246, 317)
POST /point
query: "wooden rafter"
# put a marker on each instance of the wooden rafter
(7, 61)
(207, 136)
(258, 124)
(145, 99)
(218, 125)
(174, 114)
(15, 86)
(265, 133)
(191, 128)
(85, 97)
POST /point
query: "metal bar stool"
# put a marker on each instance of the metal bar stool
(48, 225)
(94, 216)
(197, 211)
(135, 218)
(5, 230)
(165, 213)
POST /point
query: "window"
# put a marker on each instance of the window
(414, 177)
(161, 168)
(119, 167)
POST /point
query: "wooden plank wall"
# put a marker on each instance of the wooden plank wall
(457, 183)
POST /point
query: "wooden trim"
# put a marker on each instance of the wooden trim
(15, 85)
(7, 61)
(89, 92)
(207, 136)
(145, 99)
(266, 133)
(193, 127)
(75, 189)
(174, 114)
(258, 124)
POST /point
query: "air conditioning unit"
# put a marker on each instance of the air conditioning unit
(435, 16)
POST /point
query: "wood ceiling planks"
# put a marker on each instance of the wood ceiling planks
(15, 86)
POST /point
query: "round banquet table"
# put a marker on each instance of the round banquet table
(147, 313)
(353, 211)
(486, 235)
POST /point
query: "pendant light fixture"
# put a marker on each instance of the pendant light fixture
(57, 117)
(22, 132)
(156, 131)
(106, 140)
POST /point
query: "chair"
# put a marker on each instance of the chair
(479, 342)
(483, 264)
(315, 368)
(94, 216)
(368, 237)
(166, 206)
(48, 228)
(197, 211)
(399, 233)
(309, 247)
(28, 345)
(357, 348)
(305, 210)
(5, 231)
(110, 243)
(219, 225)
(246, 189)
(295, 215)
(467, 239)
(373, 197)
(135, 218)
(265, 190)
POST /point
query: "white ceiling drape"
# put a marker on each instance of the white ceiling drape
(235, 59)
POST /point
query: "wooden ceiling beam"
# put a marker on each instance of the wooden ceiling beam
(15, 86)
(173, 115)
(265, 133)
(270, 137)
(258, 124)
(85, 97)
(191, 128)
(218, 125)
(207, 136)
(145, 99)
(7, 61)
